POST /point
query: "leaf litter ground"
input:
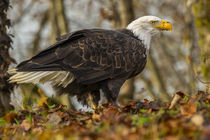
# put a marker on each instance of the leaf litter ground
(183, 118)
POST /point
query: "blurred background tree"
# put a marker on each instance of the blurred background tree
(174, 61)
(200, 10)
(5, 59)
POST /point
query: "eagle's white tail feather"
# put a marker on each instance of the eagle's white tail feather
(24, 76)
(36, 77)
(63, 80)
(21, 76)
(58, 78)
(49, 77)
(55, 77)
(12, 71)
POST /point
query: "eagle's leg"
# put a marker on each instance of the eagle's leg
(112, 89)
(93, 99)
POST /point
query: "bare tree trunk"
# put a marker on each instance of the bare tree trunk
(200, 18)
(5, 59)
(126, 12)
(115, 16)
(148, 85)
(58, 19)
(126, 16)
(35, 44)
(171, 62)
(160, 83)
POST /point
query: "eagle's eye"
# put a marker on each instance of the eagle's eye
(153, 22)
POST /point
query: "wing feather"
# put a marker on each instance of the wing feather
(90, 56)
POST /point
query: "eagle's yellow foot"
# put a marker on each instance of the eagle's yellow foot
(43, 99)
(93, 106)
(91, 103)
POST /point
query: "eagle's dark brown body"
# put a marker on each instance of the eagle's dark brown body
(98, 59)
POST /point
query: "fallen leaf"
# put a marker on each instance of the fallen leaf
(10, 117)
(146, 101)
(197, 120)
(26, 125)
(207, 100)
(176, 98)
(37, 130)
(96, 117)
(188, 108)
(54, 119)
(109, 114)
(134, 120)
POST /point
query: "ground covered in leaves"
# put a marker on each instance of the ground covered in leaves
(183, 118)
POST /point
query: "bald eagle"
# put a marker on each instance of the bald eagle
(85, 62)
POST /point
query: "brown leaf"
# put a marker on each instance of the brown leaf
(189, 108)
(96, 117)
(109, 114)
(37, 130)
(54, 119)
(176, 98)
(10, 117)
(206, 132)
(207, 100)
(26, 125)
(146, 101)
(197, 120)
(172, 137)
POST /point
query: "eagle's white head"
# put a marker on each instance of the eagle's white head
(147, 26)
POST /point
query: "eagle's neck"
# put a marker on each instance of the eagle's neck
(145, 37)
(140, 33)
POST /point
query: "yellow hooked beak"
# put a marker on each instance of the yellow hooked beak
(164, 25)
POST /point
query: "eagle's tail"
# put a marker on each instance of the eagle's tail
(55, 77)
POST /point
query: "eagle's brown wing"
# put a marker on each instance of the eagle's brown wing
(92, 55)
